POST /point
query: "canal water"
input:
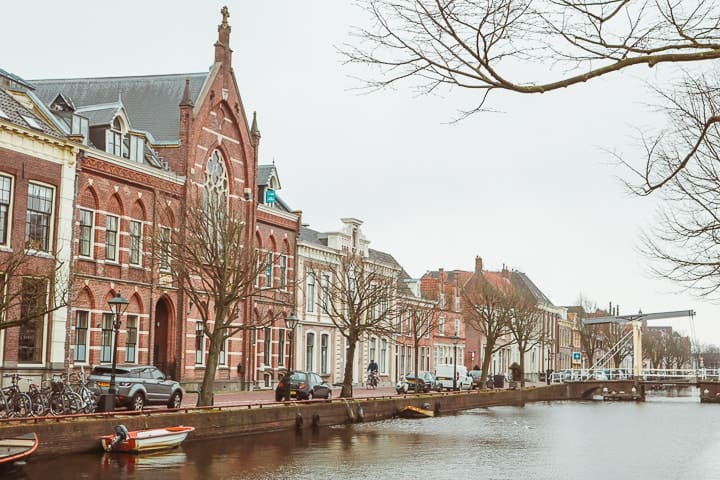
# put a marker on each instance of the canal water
(670, 436)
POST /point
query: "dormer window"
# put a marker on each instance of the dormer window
(124, 144)
(114, 138)
(80, 126)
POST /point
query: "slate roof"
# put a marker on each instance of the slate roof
(101, 115)
(264, 174)
(16, 113)
(151, 101)
(520, 280)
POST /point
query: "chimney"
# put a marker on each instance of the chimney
(478, 264)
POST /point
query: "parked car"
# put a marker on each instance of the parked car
(425, 382)
(136, 386)
(444, 373)
(477, 380)
(302, 386)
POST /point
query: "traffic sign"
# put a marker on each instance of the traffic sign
(577, 357)
(269, 195)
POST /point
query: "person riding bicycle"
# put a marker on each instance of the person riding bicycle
(372, 367)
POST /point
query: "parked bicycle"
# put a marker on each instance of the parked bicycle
(63, 400)
(13, 402)
(79, 384)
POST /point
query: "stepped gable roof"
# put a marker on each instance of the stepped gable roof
(522, 281)
(152, 102)
(13, 111)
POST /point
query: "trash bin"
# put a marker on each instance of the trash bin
(499, 381)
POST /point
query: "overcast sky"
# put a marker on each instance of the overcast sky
(531, 187)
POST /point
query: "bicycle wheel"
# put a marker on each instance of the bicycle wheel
(73, 403)
(88, 400)
(56, 403)
(19, 405)
(39, 404)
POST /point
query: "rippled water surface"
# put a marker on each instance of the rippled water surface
(671, 436)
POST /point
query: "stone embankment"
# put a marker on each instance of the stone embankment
(76, 434)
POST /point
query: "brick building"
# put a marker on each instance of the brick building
(146, 146)
(37, 172)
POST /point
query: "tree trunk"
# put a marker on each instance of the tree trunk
(486, 364)
(346, 391)
(522, 369)
(205, 397)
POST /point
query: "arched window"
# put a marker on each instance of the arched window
(216, 181)
(309, 351)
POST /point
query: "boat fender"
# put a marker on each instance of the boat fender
(360, 413)
(298, 421)
(315, 420)
(121, 433)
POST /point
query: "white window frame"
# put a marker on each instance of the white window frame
(9, 213)
(282, 271)
(199, 336)
(51, 218)
(310, 293)
(115, 250)
(44, 328)
(86, 229)
(85, 344)
(136, 243)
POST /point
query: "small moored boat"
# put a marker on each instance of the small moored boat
(411, 411)
(17, 448)
(139, 441)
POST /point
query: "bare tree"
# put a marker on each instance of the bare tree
(360, 300)
(213, 262)
(613, 333)
(653, 345)
(525, 326)
(677, 350)
(490, 309)
(31, 287)
(478, 44)
(684, 240)
(423, 321)
(591, 336)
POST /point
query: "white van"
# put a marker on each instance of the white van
(444, 375)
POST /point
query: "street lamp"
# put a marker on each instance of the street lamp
(291, 322)
(118, 305)
(455, 340)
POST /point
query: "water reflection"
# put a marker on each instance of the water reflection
(670, 436)
(118, 465)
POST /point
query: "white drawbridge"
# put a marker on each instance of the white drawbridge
(636, 321)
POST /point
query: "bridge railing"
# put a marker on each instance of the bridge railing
(649, 374)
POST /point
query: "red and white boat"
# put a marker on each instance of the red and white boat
(139, 441)
(13, 449)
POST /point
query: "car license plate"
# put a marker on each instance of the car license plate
(103, 384)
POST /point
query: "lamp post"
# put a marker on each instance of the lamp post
(118, 304)
(291, 322)
(455, 340)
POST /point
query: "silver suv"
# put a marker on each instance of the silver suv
(136, 386)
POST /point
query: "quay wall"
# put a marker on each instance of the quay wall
(80, 433)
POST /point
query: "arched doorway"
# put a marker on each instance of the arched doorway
(160, 337)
